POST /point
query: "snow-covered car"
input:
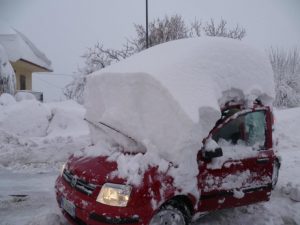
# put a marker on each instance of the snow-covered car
(190, 134)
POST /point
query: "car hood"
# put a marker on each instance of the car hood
(96, 170)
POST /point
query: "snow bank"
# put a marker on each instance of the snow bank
(6, 99)
(169, 97)
(20, 96)
(67, 120)
(40, 135)
(26, 118)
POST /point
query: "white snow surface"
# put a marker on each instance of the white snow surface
(23, 162)
(169, 97)
(18, 46)
(40, 135)
(22, 95)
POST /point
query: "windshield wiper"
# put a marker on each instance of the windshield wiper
(112, 128)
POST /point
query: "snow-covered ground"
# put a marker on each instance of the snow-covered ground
(31, 155)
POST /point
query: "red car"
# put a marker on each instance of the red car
(87, 195)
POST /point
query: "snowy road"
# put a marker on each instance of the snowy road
(38, 206)
(28, 198)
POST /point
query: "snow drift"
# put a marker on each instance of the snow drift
(169, 97)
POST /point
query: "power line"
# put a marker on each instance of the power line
(49, 83)
(57, 74)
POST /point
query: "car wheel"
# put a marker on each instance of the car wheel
(275, 174)
(173, 213)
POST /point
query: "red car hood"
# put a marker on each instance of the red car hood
(96, 170)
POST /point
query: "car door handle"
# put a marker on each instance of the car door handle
(262, 160)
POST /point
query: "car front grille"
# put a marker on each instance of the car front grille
(78, 183)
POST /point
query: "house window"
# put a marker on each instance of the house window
(22, 82)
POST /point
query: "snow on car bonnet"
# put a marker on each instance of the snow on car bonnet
(168, 97)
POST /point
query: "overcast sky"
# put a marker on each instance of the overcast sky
(63, 29)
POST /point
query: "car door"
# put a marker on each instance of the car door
(242, 175)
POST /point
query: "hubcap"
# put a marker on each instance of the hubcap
(168, 217)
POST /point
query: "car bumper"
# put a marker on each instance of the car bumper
(88, 211)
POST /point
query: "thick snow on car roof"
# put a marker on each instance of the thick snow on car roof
(197, 71)
(169, 97)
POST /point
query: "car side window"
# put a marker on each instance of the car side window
(248, 129)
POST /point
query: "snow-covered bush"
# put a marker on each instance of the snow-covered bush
(160, 31)
(286, 67)
(6, 99)
(22, 95)
(7, 74)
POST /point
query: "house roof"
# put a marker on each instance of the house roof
(19, 47)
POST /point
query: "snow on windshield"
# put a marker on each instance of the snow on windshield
(169, 96)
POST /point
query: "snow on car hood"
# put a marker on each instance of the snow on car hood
(169, 96)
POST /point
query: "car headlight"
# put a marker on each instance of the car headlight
(114, 194)
(62, 169)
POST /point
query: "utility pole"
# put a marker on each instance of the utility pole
(147, 39)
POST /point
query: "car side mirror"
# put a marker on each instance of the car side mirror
(210, 154)
(211, 150)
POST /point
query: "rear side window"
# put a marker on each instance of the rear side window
(248, 129)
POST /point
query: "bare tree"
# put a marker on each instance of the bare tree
(221, 30)
(286, 68)
(160, 31)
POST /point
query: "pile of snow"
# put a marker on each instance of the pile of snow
(6, 99)
(40, 135)
(26, 118)
(287, 133)
(169, 97)
(22, 95)
(7, 74)
(67, 120)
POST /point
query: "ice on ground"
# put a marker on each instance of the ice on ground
(169, 97)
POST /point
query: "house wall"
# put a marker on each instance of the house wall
(25, 72)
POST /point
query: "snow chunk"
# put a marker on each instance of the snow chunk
(22, 95)
(7, 99)
(67, 120)
(295, 193)
(26, 118)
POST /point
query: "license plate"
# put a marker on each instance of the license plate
(68, 206)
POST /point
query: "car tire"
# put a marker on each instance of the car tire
(275, 173)
(172, 213)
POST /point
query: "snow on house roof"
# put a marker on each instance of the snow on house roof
(19, 47)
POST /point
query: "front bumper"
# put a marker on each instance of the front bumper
(90, 212)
